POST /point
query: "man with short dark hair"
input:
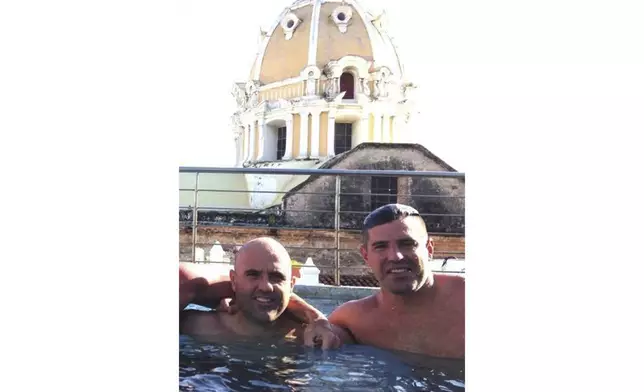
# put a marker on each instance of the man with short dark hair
(414, 310)
(261, 284)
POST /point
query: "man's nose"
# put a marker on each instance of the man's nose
(394, 253)
(265, 285)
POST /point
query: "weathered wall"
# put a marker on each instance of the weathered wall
(354, 208)
(323, 242)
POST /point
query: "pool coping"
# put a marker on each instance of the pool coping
(324, 291)
(347, 293)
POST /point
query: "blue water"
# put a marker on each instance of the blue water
(325, 306)
(290, 367)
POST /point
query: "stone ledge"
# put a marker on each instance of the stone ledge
(346, 293)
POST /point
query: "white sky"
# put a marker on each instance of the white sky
(427, 44)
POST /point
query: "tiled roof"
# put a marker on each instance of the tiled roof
(350, 280)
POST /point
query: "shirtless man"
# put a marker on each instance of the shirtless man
(261, 284)
(414, 310)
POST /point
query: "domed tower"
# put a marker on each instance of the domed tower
(325, 79)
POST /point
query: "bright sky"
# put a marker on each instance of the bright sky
(219, 45)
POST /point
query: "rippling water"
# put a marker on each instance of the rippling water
(290, 367)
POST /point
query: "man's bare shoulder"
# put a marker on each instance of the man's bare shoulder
(451, 282)
(351, 317)
(355, 308)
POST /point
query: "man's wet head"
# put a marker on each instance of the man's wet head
(397, 247)
(262, 279)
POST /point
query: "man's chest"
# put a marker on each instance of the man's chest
(438, 334)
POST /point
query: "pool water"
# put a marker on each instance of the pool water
(291, 367)
(325, 306)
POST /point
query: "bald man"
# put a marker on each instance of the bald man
(261, 284)
(414, 310)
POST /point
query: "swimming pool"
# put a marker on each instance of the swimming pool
(290, 367)
(208, 367)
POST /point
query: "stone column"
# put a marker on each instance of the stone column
(363, 134)
(288, 152)
(315, 133)
(330, 134)
(386, 129)
(304, 134)
(246, 142)
(262, 139)
(311, 84)
(239, 146)
(251, 150)
(377, 128)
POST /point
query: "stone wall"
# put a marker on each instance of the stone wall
(440, 197)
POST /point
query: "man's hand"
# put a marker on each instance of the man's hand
(228, 305)
(320, 332)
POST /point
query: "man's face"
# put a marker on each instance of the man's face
(397, 253)
(262, 285)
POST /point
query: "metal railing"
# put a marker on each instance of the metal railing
(447, 197)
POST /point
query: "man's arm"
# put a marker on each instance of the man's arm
(210, 295)
(201, 285)
(319, 331)
(340, 320)
(303, 311)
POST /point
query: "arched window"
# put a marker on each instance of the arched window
(347, 83)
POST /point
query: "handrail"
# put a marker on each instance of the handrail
(320, 172)
(194, 212)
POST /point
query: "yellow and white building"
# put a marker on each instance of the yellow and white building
(325, 79)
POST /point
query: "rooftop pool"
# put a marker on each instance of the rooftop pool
(290, 367)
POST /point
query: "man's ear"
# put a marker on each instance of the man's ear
(293, 279)
(363, 251)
